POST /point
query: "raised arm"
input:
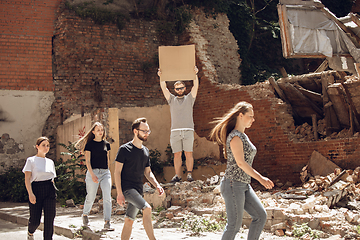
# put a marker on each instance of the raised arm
(151, 177)
(120, 196)
(164, 89)
(195, 87)
(237, 149)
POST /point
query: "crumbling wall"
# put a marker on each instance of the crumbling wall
(26, 95)
(217, 49)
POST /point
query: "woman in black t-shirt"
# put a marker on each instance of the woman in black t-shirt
(97, 162)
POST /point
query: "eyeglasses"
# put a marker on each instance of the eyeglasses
(145, 131)
(179, 88)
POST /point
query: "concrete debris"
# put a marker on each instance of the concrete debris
(70, 203)
(314, 204)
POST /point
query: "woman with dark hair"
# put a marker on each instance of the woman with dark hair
(97, 162)
(39, 181)
(235, 186)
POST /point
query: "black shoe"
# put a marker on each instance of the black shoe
(175, 179)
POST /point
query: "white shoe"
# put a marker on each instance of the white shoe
(30, 237)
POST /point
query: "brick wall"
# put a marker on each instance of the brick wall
(26, 29)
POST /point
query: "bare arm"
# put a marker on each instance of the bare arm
(195, 87)
(150, 176)
(237, 149)
(89, 168)
(32, 197)
(120, 196)
(108, 159)
(164, 89)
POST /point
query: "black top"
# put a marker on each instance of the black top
(98, 153)
(135, 161)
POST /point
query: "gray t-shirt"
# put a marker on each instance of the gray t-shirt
(233, 171)
(181, 110)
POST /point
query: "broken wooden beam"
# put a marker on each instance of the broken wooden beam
(337, 96)
(278, 90)
(323, 66)
(314, 125)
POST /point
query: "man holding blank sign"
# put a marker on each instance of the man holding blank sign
(178, 63)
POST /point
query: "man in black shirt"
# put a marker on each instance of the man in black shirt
(132, 163)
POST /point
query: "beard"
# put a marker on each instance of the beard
(180, 94)
(144, 139)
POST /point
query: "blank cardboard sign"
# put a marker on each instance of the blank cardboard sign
(177, 62)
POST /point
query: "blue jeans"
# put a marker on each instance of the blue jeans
(104, 179)
(135, 202)
(238, 197)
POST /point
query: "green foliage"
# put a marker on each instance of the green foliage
(169, 154)
(98, 15)
(172, 24)
(301, 230)
(12, 186)
(199, 224)
(211, 6)
(358, 229)
(157, 166)
(70, 180)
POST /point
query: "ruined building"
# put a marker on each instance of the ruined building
(56, 66)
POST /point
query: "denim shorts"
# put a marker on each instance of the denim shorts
(182, 140)
(135, 203)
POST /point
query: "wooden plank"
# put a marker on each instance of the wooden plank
(314, 124)
(337, 97)
(323, 66)
(311, 81)
(303, 3)
(302, 105)
(355, 19)
(283, 72)
(331, 120)
(357, 69)
(313, 96)
(284, 31)
(352, 98)
(278, 90)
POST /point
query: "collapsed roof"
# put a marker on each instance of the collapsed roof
(310, 30)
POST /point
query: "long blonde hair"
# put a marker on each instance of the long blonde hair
(225, 124)
(89, 136)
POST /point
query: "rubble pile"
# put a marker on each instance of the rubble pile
(326, 104)
(312, 204)
(329, 205)
(305, 133)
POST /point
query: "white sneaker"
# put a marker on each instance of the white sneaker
(85, 220)
(30, 237)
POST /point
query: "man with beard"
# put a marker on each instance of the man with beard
(182, 124)
(132, 163)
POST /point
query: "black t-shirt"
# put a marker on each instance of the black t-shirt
(135, 161)
(98, 153)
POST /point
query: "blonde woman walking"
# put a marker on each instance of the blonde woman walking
(235, 186)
